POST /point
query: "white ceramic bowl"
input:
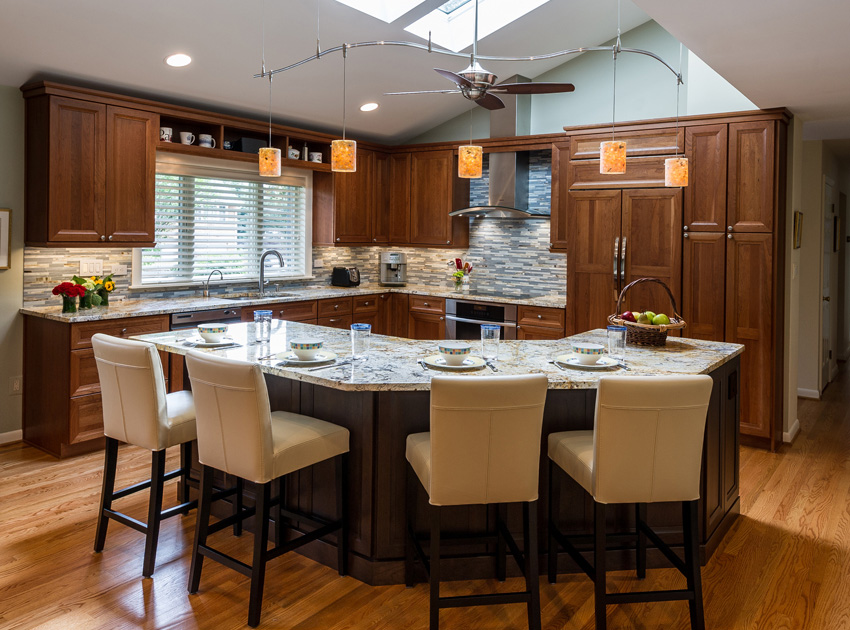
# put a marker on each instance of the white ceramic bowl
(293, 154)
(212, 333)
(306, 349)
(454, 352)
(588, 353)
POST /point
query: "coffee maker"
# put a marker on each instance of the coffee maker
(393, 269)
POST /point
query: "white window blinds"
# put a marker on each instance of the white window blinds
(220, 220)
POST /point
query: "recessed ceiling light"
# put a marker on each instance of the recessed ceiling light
(178, 60)
(368, 107)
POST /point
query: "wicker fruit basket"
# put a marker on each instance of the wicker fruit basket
(647, 334)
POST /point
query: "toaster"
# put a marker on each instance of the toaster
(345, 277)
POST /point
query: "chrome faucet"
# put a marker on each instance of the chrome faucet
(263, 280)
(209, 277)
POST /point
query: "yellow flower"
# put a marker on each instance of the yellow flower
(93, 279)
(109, 285)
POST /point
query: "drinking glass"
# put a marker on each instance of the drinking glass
(490, 341)
(263, 325)
(617, 342)
(360, 336)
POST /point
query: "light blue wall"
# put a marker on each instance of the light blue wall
(645, 89)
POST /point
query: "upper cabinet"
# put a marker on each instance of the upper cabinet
(751, 177)
(705, 195)
(354, 201)
(89, 173)
(435, 190)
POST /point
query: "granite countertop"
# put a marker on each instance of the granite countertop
(392, 363)
(164, 306)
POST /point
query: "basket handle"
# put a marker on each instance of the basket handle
(642, 280)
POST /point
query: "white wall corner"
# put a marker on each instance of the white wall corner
(808, 393)
(11, 436)
(844, 354)
(789, 435)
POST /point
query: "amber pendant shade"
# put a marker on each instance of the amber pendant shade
(612, 157)
(469, 161)
(269, 162)
(676, 171)
(343, 156)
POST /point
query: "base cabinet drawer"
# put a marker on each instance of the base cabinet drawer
(295, 311)
(339, 321)
(427, 304)
(85, 421)
(538, 332)
(541, 316)
(82, 333)
(334, 307)
(366, 304)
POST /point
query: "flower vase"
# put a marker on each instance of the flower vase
(104, 297)
(85, 300)
(69, 304)
(458, 282)
(465, 283)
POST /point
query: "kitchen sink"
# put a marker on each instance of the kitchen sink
(244, 297)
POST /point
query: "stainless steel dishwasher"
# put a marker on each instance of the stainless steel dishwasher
(191, 319)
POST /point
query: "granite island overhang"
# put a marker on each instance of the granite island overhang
(384, 398)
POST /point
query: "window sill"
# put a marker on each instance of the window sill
(189, 286)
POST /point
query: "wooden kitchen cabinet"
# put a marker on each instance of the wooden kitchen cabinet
(752, 156)
(89, 173)
(426, 317)
(435, 190)
(337, 321)
(353, 200)
(63, 414)
(381, 199)
(399, 199)
(704, 285)
(306, 311)
(705, 194)
(558, 222)
(538, 322)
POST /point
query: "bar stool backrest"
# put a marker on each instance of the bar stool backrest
(132, 389)
(485, 438)
(233, 416)
(647, 438)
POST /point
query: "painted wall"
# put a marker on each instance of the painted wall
(794, 202)
(11, 280)
(709, 93)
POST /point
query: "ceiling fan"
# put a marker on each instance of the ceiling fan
(479, 85)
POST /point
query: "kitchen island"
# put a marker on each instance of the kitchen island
(384, 398)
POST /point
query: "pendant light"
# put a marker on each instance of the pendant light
(269, 156)
(612, 154)
(676, 168)
(470, 158)
(343, 152)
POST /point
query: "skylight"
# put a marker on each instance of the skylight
(386, 10)
(452, 25)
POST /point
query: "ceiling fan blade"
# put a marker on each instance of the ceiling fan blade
(533, 88)
(456, 78)
(490, 101)
(423, 92)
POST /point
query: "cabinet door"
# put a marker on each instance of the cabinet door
(560, 193)
(652, 242)
(130, 174)
(339, 321)
(353, 194)
(381, 202)
(431, 198)
(426, 325)
(400, 198)
(704, 285)
(538, 332)
(383, 323)
(751, 182)
(592, 257)
(749, 321)
(705, 195)
(77, 175)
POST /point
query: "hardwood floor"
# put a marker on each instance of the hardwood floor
(784, 565)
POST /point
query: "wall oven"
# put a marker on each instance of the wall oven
(464, 318)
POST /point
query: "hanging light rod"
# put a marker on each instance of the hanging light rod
(442, 51)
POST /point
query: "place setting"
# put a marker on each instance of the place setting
(212, 336)
(455, 356)
(591, 356)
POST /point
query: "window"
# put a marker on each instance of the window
(214, 218)
(386, 10)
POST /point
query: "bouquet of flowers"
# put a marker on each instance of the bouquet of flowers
(69, 292)
(97, 288)
(461, 269)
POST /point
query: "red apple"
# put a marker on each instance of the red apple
(628, 316)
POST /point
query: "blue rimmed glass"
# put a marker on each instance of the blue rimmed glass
(360, 337)
(617, 342)
(490, 334)
(263, 325)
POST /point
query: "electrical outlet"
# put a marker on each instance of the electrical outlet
(119, 270)
(16, 385)
(91, 267)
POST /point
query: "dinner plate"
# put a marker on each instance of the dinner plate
(571, 360)
(197, 342)
(438, 362)
(323, 356)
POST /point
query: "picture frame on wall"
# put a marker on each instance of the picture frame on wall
(798, 229)
(5, 238)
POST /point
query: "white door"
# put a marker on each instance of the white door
(829, 278)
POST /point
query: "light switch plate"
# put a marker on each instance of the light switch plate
(91, 267)
(119, 270)
(16, 385)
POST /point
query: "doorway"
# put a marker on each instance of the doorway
(829, 286)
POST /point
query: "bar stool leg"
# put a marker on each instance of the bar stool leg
(553, 543)
(110, 463)
(434, 562)
(341, 466)
(258, 566)
(185, 469)
(237, 506)
(501, 547)
(278, 510)
(201, 527)
(640, 549)
(532, 568)
(409, 529)
(691, 527)
(154, 511)
(599, 566)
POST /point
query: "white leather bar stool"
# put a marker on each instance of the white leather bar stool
(483, 448)
(645, 447)
(138, 411)
(240, 435)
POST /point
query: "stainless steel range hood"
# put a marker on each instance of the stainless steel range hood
(508, 172)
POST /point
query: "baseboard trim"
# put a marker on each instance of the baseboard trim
(808, 393)
(11, 436)
(788, 436)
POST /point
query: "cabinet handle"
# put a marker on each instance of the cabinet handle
(685, 228)
(374, 240)
(336, 307)
(448, 242)
(123, 331)
(337, 240)
(729, 236)
(365, 303)
(110, 237)
(616, 259)
(686, 235)
(623, 261)
(540, 317)
(729, 228)
(280, 313)
(551, 245)
(333, 321)
(102, 237)
(442, 318)
(425, 304)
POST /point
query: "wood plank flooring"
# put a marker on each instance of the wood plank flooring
(785, 565)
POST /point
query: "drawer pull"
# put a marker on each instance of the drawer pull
(425, 304)
(123, 331)
(102, 237)
(110, 237)
(333, 321)
(540, 317)
(336, 306)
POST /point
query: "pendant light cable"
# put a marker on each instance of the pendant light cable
(344, 57)
(678, 86)
(318, 45)
(614, 95)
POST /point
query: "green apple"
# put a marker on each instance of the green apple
(660, 319)
(643, 318)
(650, 315)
